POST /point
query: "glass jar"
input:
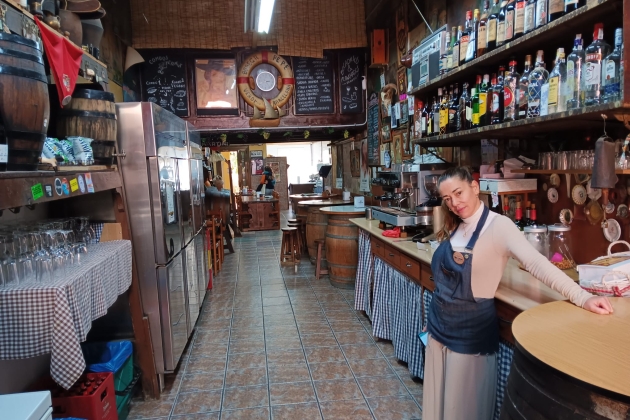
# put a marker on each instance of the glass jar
(537, 237)
(560, 246)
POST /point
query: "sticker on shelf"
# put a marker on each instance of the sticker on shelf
(65, 186)
(37, 191)
(48, 190)
(81, 184)
(89, 183)
(4, 153)
(74, 185)
(58, 187)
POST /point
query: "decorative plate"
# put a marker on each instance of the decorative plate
(545, 186)
(622, 211)
(554, 180)
(593, 193)
(552, 195)
(609, 208)
(579, 194)
(612, 230)
(566, 217)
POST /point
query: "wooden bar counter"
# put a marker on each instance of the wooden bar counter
(342, 251)
(316, 222)
(265, 213)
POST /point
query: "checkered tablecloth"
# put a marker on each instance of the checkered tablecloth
(365, 273)
(381, 300)
(55, 317)
(504, 360)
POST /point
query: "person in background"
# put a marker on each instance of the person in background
(217, 189)
(463, 334)
(268, 181)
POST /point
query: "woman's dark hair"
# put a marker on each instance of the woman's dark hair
(451, 220)
(268, 169)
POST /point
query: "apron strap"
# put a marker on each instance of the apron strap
(480, 224)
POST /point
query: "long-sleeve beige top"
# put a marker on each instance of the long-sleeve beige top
(500, 239)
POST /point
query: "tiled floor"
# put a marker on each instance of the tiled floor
(271, 343)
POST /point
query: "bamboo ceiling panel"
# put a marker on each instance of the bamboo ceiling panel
(301, 28)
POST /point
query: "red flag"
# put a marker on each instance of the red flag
(64, 58)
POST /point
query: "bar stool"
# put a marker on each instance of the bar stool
(321, 247)
(289, 247)
(299, 224)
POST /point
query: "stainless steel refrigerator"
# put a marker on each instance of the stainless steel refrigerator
(162, 197)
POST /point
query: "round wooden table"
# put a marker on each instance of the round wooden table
(570, 363)
(316, 223)
(342, 244)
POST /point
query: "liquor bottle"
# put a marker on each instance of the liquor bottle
(509, 20)
(556, 101)
(449, 58)
(571, 5)
(506, 208)
(475, 103)
(496, 103)
(510, 93)
(483, 101)
(464, 111)
(541, 13)
(519, 18)
(528, 213)
(424, 119)
(574, 87)
(518, 216)
(452, 104)
(419, 124)
(595, 53)
(522, 88)
(537, 78)
(444, 57)
(493, 21)
(443, 113)
(613, 71)
(465, 39)
(501, 24)
(530, 16)
(471, 53)
(436, 113)
(457, 48)
(482, 31)
(532, 216)
(556, 9)
(430, 119)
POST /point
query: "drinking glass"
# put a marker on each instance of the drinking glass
(584, 159)
(8, 262)
(26, 268)
(562, 160)
(44, 269)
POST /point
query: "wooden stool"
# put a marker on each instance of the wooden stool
(289, 247)
(321, 244)
(301, 234)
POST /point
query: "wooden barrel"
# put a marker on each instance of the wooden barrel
(537, 391)
(316, 223)
(302, 213)
(342, 250)
(91, 114)
(24, 102)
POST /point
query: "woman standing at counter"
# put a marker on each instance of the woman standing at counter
(268, 181)
(461, 356)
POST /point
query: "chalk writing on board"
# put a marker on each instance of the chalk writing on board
(350, 82)
(313, 86)
(164, 83)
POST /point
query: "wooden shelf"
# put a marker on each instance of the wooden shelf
(550, 36)
(562, 172)
(574, 119)
(15, 187)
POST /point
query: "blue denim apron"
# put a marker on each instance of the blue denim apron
(456, 319)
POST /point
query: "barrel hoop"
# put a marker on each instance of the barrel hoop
(26, 135)
(342, 265)
(16, 39)
(316, 224)
(18, 72)
(87, 114)
(335, 277)
(93, 94)
(37, 58)
(330, 235)
(332, 223)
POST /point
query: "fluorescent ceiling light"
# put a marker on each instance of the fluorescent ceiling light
(258, 15)
(264, 15)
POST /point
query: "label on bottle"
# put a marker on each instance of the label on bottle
(611, 91)
(544, 99)
(483, 104)
(500, 32)
(522, 101)
(468, 113)
(472, 44)
(592, 73)
(570, 84)
(455, 57)
(570, 2)
(463, 47)
(519, 18)
(443, 64)
(449, 61)
(530, 18)
(492, 30)
(609, 70)
(423, 124)
(443, 117)
(541, 13)
(496, 105)
(482, 38)
(556, 6)
(553, 91)
(509, 25)
(451, 116)
(508, 97)
(475, 118)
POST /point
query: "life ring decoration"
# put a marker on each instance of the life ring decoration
(246, 83)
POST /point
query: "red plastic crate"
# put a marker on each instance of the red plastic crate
(98, 404)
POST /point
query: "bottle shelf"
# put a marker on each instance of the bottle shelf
(574, 119)
(558, 33)
(563, 171)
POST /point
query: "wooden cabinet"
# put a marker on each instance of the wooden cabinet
(392, 257)
(410, 267)
(265, 215)
(426, 277)
(378, 247)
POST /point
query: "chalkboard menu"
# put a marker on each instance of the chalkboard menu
(373, 134)
(313, 85)
(351, 72)
(164, 83)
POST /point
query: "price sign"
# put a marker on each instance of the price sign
(37, 191)
(74, 185)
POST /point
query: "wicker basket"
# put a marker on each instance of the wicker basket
(613, 283)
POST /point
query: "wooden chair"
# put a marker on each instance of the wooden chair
(218, 229)
(297, 223)
(241, 216)
(215, 242)
(319, 271)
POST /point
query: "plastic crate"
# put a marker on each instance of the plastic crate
(98, 404)
(115, 357)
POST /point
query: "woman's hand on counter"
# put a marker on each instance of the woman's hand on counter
(599, 305)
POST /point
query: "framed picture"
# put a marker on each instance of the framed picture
(215, 85)
(257, 166)
(275, 168)
(386, 133)
(355, 163)
(402, 80)
(397, 147)
(407, 146)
